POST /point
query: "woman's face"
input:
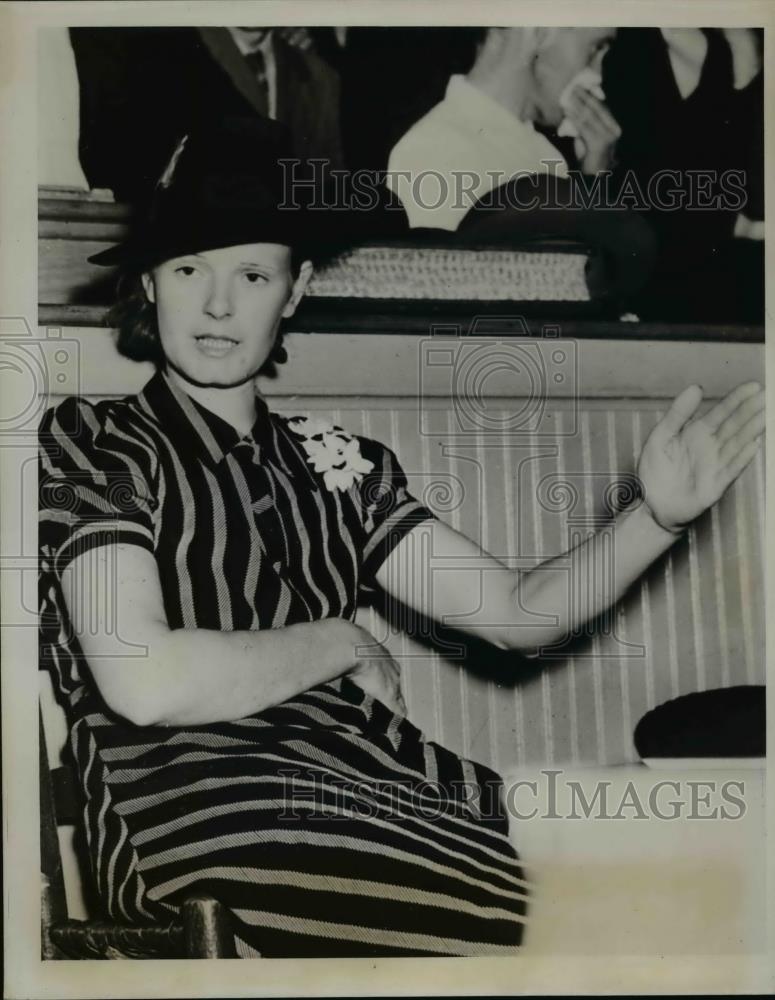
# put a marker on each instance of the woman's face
(218, 311)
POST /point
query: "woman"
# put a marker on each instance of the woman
(235, 732)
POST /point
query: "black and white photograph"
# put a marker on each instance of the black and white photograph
(383, 442)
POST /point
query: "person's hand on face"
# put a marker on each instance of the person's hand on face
(597, 129)
(688, 462)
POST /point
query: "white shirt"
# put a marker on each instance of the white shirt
(464, 147)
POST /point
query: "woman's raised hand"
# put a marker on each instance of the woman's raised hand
(688, 462)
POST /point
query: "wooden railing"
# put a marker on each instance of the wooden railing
(540, 286)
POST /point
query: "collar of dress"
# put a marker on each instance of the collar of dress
(196, 430)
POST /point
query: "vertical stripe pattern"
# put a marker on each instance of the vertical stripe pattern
(651, 654)
(328, 825)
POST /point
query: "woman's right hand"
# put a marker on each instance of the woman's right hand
(378, 674)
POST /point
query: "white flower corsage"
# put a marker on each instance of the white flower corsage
(332, 451)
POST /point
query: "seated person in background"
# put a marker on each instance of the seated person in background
(141, 89)
(483, 132)
(379, 104)
(302, 89)
(690, 105)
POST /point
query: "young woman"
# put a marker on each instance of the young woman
(201, 561)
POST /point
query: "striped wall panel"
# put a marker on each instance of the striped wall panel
(696, 620)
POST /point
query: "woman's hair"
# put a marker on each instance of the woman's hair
(133, 317)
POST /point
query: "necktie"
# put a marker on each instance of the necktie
(257, 64)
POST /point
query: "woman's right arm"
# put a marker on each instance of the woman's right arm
(154, 675)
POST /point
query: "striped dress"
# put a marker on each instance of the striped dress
(328, 825)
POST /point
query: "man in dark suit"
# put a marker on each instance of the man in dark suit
(142, 89)
(690, 103)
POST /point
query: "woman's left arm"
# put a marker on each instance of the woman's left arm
(686, 465)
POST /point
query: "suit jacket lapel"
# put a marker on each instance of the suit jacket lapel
(281, 70)
(293, 90)
(223, 49)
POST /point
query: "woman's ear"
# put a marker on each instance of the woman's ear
(148, 286)
(298, 290)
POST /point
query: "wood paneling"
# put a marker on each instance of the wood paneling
(410, 366)
(695, 621)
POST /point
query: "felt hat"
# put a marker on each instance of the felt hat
(227, 184)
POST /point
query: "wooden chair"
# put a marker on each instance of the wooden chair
(202, 931)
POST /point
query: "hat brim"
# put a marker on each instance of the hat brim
(120, 255)
(148, 247)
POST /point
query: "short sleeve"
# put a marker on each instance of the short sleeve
(94, 484)
(388, 509)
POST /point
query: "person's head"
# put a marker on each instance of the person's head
(215, 316)
(527, 69)
(223, 257)
(560, 54)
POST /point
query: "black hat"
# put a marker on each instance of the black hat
(226, 184)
